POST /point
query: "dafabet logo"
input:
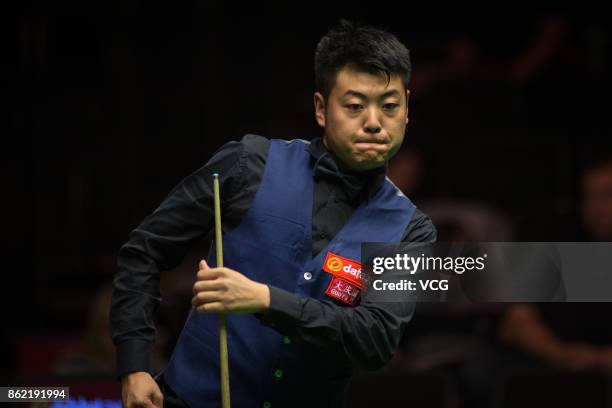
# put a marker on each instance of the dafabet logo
(343, 267)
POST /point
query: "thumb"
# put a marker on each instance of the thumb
(204, 265)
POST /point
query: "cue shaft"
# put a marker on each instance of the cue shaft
(223, 353)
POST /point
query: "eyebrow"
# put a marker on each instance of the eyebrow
(350, 92)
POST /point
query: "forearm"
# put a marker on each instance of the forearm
(135, 299)
(368, 334)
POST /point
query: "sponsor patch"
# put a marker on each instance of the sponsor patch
(344, 268)
(343, 291)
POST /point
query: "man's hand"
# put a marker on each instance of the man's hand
(139, 390)
(224, 290)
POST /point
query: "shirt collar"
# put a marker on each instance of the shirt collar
(356, 183)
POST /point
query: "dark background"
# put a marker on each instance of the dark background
(111, 104)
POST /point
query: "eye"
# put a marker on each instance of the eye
(390, 106)
(354, 107)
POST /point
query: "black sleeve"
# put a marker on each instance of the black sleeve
(420, 229)
(161, 241)
(368, 333)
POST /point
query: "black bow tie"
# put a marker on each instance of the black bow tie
(352, 183)
(326, 168)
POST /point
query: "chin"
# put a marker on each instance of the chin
(368, 165)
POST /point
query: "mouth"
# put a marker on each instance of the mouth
(370, 144)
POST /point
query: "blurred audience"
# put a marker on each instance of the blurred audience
(571, 337)
(596, 190)
(483, 347)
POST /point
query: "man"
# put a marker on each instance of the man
(546, 340)
(295, 330)
(571, 335)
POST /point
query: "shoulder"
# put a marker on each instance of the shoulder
(255, 144)
(250, 150)
(420, 228)
(249, 145)
(256, 147)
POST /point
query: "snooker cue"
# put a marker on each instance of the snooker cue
(223, 354)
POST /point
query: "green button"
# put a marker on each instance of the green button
(286, 340)
(267, 404)
(278, 373)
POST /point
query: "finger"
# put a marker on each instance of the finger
(204, 264)
(205, 297)
(214, 307)
(158, 399)
(141, 404)
(208, 285)
(210, 273)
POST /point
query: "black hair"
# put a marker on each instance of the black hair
(364, 48)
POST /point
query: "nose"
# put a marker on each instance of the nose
(372, 124)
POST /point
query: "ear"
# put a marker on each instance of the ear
(319, 105)
(407, 98)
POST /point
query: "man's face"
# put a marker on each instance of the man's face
(364, 118)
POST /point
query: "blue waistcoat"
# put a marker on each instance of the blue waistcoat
(273, 245)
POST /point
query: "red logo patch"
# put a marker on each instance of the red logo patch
(343, 291)
(344, 268)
